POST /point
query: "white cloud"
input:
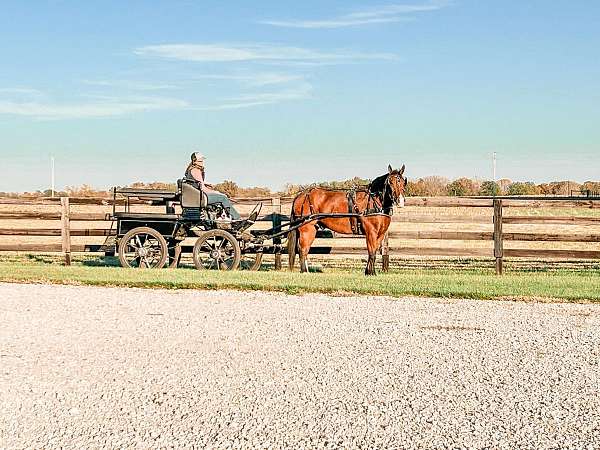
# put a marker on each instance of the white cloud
(104, 108)
(300, 92)
(340, 22)
(254, 79)
(130, 85)
(383, 14)
(251, 52)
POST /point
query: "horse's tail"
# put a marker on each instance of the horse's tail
(292, 240)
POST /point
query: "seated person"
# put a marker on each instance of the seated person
(195, 172)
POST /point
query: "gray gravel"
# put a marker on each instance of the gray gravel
(84, 367)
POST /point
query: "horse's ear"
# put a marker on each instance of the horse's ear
(390, 170)
(402, 170)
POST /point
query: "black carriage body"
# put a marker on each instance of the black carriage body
(166, 224)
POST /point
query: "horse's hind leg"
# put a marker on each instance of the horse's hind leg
(308, 233)
(370, 269)
(372, 247)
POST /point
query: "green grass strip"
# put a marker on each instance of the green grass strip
(431, 283)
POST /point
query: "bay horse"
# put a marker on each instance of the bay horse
(373, 204)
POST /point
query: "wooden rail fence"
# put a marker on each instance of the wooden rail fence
(497, 235)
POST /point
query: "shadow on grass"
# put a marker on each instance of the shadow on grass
(41, 259)
(106, 261)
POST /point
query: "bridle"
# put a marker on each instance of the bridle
(380, 196)
(388, 185)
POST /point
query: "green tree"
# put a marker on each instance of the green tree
(527, 188)
(489, 188)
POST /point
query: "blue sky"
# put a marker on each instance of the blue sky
(281, 91)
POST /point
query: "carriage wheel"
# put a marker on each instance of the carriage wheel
(217, 249)
(251, 261)
(143, 248)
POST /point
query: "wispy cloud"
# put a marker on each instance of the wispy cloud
(102, 108)
(252, 52)
(383, 14)
(300, 92)
(130, 85)
(254, 79)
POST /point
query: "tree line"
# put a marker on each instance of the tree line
(433, 186)
(439, 186)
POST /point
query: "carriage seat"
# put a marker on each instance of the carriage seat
(191, 195)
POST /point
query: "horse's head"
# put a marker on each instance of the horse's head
(397, 185)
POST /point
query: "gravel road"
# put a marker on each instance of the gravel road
(86, 367)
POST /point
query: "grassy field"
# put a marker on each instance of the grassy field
(476, 283)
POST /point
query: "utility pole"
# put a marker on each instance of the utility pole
(52, 185)
(494, 166)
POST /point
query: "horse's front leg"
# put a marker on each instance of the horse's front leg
(370, 269)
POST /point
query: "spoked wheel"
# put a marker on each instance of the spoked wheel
(143, 248)
(217, 249)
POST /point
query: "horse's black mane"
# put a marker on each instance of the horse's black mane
(378, 184)
(377, 187)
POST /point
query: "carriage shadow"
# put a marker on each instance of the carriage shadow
(103, 261)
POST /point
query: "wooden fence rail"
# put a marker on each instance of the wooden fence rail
(497, 235)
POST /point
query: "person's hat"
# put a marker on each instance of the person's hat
(197, 156)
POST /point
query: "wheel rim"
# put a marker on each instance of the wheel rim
(217, 253)
(143, 250)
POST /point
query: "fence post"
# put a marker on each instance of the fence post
(65, 229)
(498, 239)
(385, 253)
(276, 222)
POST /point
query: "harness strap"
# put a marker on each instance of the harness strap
(355, 223)
(310, 205)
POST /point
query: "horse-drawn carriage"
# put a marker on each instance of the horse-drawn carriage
(155, 240)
